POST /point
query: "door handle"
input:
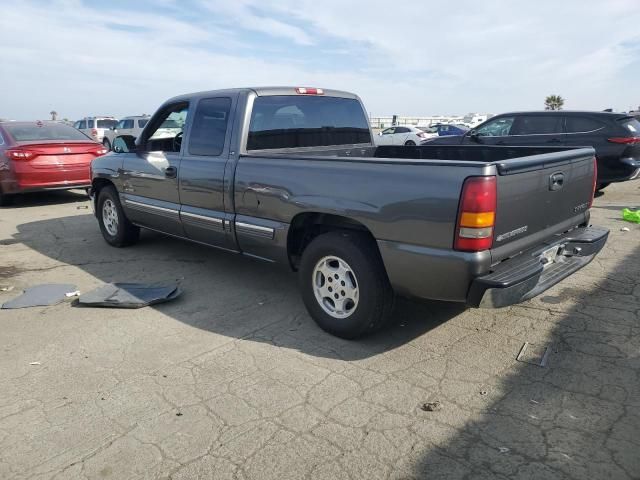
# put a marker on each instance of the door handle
(556, 181)
(553, 140)
(171, 172)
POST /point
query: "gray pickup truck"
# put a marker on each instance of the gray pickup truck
(291, 176)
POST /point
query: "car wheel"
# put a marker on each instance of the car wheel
(107, 144)
(410, 143)
(116, 228)
(344, 284)
(5, 199)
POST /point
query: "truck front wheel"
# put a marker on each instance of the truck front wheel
(344, 284)
(116, 228)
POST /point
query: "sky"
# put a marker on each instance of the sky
(123, 57)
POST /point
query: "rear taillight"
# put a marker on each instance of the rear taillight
(421, 135)
(477, 214)
(20, 154)
(309, 91)
(594, 183)
(94, 132)
(101, 151)
(624, 140)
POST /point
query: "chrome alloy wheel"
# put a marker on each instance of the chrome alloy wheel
(335, 287)
(110, 217)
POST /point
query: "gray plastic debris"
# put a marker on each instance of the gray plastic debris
(41, 295)
(503, 449)
(6, 288)
(129, 295)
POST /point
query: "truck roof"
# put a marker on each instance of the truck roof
(259, 91)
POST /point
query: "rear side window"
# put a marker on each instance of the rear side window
(537, 125)
(402, 130)
(632, 125)
(582, 125)
(289, 121)
(44, 131)
(90, 124)
(143, 122)
(210, 126)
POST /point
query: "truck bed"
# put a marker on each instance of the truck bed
(413, 209)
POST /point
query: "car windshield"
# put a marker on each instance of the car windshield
(170, 124)
(43, 132)
(106, 123)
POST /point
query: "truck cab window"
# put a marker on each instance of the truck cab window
(294, 121)
(167, 130)
(210, 126)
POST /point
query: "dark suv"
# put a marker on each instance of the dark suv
(615, 137)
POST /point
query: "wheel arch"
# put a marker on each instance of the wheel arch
(306, 226)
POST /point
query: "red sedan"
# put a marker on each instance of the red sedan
(38, 156)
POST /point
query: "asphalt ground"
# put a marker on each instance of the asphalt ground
(234, 380)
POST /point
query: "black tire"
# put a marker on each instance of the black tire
(410, 143)
(123, 232)
(375, 295)
(106, 143)
(602, 186)
(5, 200)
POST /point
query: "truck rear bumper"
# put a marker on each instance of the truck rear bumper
(531, 273)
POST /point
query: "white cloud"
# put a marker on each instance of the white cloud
(407, 59)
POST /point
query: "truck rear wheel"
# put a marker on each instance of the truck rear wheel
(344, 285)
(116, 228)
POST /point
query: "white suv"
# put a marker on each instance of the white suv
(95, 127)
(126, 126)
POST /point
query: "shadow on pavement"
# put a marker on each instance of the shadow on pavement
(223, 293)
(578, 417)
(52, 197)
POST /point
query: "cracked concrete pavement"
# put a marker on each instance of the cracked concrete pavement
(234, 381)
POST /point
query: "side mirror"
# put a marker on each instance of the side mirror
(113, 128)
(379, 134)
(124, 144)
(473, 135)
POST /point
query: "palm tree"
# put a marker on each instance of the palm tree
(553, 102)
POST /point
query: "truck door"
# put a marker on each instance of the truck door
(150, 175)
(202, 172)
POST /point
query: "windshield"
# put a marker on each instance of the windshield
(170, 124)
(290, 121)
(43, 132)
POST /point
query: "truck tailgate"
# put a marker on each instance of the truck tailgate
(540, 196)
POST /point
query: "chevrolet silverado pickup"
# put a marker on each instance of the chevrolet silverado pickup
(292, 176)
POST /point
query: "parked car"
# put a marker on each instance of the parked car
(126, 126)
(95, 127)
(291, 176)
(44, 156)
(444, 129)
(614, 136)
(401, 135)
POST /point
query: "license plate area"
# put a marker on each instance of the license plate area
(548, 256)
